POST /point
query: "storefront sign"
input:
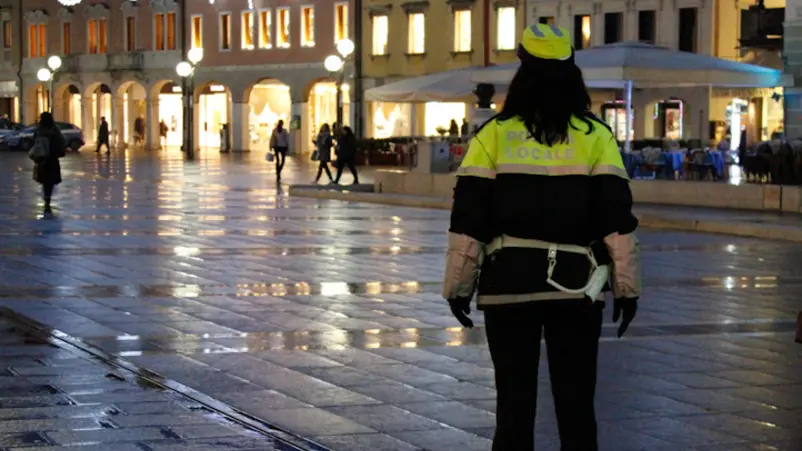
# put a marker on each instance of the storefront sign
(295, 124)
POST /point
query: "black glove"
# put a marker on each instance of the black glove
(627, 306)
(461, 308)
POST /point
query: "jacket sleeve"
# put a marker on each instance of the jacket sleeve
(613, 217)
(471, 215)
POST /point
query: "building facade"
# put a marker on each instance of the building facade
(709, 27)
(404, 38)
(263, 62)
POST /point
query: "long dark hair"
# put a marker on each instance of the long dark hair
(546, 95)
(46, 121)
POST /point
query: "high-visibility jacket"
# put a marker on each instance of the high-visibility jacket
(575, 193)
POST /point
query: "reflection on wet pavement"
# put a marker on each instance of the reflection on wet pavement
(320, 317)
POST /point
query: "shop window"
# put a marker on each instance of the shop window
(546, 20)
(42, 40)
(158, 27)
(197, 32)
(462, 30)
(247, 30)
(438, 116)
(66, 38)
(8, 34)
(283, 34)
(171, 37)
(613, 27)
(506, 28)
(381, 31)
(417, 33)
(33, 47)
(102, 36)
(130, 34)
(688, 29)
(307, 26)
(265, 25)
(225, 31)
(581, 32)
(646, 26)
(91, 36)
(340, 21)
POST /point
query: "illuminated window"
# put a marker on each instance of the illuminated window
(197, 32)
(417, 33)
(462, 30)
(225, 31)
(91, 36)
(505, 28)
(171, 39)
(247, 30)
(130, 34)
(8, 34)
(283, 34)
(381, 32)
(102, 36)
(340, 21)
(33, 47)
(265, 25)
(42, 40)
(66, 38)
(307, 26)
(582, 32)
(158, 26)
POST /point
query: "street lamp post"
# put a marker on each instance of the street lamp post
(336, 65)
(48, 75)
(186, 70)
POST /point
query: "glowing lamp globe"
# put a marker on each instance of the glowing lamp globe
(54, 63)
(345, 47)
(43, 74)
(69, 2)
(333, 63)
(183, 69)
(195, 55)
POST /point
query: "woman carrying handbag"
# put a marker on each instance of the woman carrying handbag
(323, 143)
(48, 147)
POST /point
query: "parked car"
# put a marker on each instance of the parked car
(4, 132)
(23, 139)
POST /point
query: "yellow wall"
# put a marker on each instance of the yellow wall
(439, 43)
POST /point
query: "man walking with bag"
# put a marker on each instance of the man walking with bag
(103, 136)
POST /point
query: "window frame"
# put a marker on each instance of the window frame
(8, 34)
(102, 36)
(261, 45)
(130, 45)
(220, 33)
(66, 37)
(411, 50)
(159, 45)
(307, 42)
(92, 45)
(288, 24)
(247, 13)
(456, 13)
(168, 45)
(511, 29)
(346, 25)
(386, 37)
(196, 35)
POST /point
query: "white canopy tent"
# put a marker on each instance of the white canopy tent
(449, 86)
(625, 65)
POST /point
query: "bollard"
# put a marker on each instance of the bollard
(799, 328)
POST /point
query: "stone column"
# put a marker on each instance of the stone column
(118, 121)
(240, 127)
(668, 25)
(88, 119)
(631, 21)
(698, 118)
(152, 141)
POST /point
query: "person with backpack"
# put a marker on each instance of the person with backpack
(49, 146)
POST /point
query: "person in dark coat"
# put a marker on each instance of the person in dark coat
(103, 136)
(346, 154)
(323, 144)
(47, 171)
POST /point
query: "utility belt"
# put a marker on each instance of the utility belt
(599, 274)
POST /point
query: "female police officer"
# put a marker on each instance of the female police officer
(543, 208)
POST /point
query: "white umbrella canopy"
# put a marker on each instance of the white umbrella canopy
(647, 66)
(449, 86)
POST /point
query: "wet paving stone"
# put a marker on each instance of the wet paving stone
(324, 318)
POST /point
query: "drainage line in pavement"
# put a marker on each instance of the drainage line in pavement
(230, 413)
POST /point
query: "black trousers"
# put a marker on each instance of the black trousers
(47, 193)
(342, 164)
(101, 143)
(572, 330)
(281, 157)
(324, 166)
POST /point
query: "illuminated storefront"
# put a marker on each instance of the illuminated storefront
(669, 117)
(391, 119)
(323, 106)
(269, 102)
(614, 114)
(171, 112)
(440, 114)
(213, 110)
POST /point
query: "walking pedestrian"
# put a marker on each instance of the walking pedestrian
(163, 129)
(323, 144)
(103, 136)
(49, 146)
(346, 154)
(280, 144)
(536, 222)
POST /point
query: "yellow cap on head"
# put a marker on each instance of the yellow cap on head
(547, 42)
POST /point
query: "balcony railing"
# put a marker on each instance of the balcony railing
(133, 61)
